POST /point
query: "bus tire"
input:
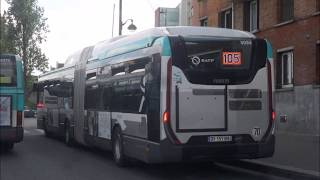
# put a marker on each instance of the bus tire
(45, 129)
(67, 138)
(4, 147)
(117, 148)
(9, 146)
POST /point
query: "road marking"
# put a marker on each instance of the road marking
(39, 131)
(249, 171)
(33, 132)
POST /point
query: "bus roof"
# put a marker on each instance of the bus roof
(207, 31)
(124, 44)
(145, 38)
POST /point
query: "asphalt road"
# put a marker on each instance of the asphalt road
(41, 158)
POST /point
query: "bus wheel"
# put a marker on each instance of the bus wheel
(67, 138)
(9, 146)
(46, 133)
(117, 148)
(45, 129)
(6, 147)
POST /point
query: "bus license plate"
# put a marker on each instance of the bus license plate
(219, 138)
(231, 58)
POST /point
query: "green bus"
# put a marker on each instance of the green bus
(11, 100)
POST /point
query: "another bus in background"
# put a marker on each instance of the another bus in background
(11, 100)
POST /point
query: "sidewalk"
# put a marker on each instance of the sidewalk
(296, 154)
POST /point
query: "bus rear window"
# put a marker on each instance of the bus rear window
(219, 61)
(8, 71)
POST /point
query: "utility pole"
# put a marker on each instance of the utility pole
(120, 17)
(113, 18)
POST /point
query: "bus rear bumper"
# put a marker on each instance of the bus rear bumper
(178, 153)
(11, 134)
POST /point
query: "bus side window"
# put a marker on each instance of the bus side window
(93, 98)
(136, 88)
(106, 96)
(117, 71)
(104, 72)
(93, 91)
(91, 74)
(138, 65)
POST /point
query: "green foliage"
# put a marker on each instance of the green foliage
(7, 37)
(23, 29)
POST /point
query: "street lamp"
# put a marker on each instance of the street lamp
(131, 27)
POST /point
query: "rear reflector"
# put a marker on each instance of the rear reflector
(19, 119)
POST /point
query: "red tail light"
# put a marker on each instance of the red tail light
(273, 116)
(40, 105)
(166, 117)
(19, 119)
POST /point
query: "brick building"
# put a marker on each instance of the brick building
(293, 28)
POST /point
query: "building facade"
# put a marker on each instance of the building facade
(293, 28)
(185, 13)
(166, 17)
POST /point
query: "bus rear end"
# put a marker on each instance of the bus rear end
(218, 101)
(11, 101)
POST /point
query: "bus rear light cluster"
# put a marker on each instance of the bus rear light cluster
(19, 119)
(166, 117)
(40, 105)
(273, 115)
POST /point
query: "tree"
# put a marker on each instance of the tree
(7, 36)
(24, 30)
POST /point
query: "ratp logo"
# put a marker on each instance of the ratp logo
(196, 60)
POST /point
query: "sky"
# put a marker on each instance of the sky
(75, 24)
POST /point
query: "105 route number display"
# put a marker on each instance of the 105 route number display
(231, 58)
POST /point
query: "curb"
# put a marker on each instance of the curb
(275, 170)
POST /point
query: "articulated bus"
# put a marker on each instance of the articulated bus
(11, 100)
(165, 95)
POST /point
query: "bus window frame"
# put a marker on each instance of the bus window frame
(15, 65)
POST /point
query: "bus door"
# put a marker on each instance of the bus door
(219, 86)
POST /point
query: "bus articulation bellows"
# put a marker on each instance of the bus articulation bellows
(165, 95)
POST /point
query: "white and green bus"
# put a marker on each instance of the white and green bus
(11, 100)
(165, 95)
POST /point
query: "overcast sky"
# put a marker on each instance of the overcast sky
(75, 24)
